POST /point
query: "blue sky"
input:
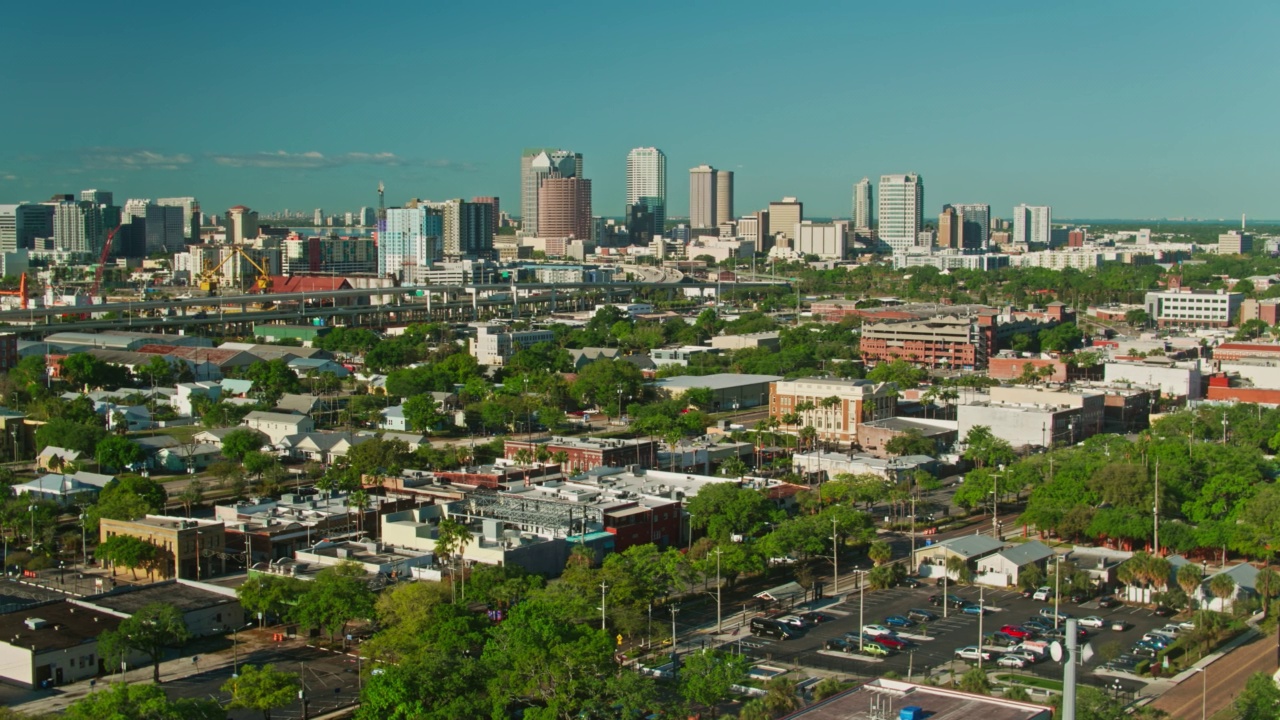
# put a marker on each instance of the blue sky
(1101, 109)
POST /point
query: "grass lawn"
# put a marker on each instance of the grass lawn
(1030, 681)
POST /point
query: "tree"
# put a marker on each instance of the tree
(422, 413)
(706, 677)
(240, 442)
(262, 688)
(139, 701)
(911, 442)
(780, 695)
(725, 509)
(1189, 578)
(827, 687)
(733, 467)
(267, 596)
(338, 595)
(272, 379)
(901, 372)
(1267, 583)
(975, 681)
(880, 552)
(1252, 329)
(451, 541)
(1061, 338)
(60, 432)
(118, 453)
(127, 551)
(191, 495)
(599, 383)
(1222, 586)
(1137, 317)
(957, 568)
(1260, 699)
(150, 631)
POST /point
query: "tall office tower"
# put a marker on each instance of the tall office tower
(900, 212)
(702, 197)
(242, 224)
(784, 216)
(319, 217)
(367, 217)
(497, 209)
(468, 229)
(564, 208)
(97, 197)
(536, 164)
(410, 240)
(754, 228)
(949, 228)
(640, 224)
(190, 215)
(1032, 224)
(647, 180)
(724, 196)
(862, 204)
(78, 226)
(162, 226)
(975, 221)
(21, 224)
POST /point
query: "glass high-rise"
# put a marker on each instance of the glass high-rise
(862, 204)
(975, 219)
(900, 211)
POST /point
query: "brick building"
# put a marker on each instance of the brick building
(957, 340)
(1240, 351)
(1011, 368)
(182, 542)
(590, 453)
(857, 401)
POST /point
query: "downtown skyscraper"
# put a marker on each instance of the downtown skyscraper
(862, 204)
(537, 164)
(901, 211)
(975, 220)
(710, 197)
(647, 183)
(1032, 224)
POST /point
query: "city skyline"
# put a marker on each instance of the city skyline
(1121, 124)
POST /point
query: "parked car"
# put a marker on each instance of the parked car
(1037, 624)
(1092, 621)
(971, 652)
(899, 621)
(921, 615)
(1120, 625)
(1163, 611)
(999, 639)
(1050, 613)
(973, 609)
(909, 582)
(873, 649)
(954, 601)
(1080, 596)
(1143, 651)
(874, 630)
(892, 642)
(841, 645)
(1043, 594)
(1027, 593)
(1154, 642)
(1012, 661)
(794, 621)
(816, 618)
(1016, 631)
(1170, 630)
(1031, 657)
(1106, 601)
(1187, 625)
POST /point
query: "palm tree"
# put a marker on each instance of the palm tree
(1189, 578)
(1222, 586)
(1267, 583)
(781, 696)
(808, 434)
(880, 552)
(542, 454)
(760, 429)
(561, 458)
(523, 456)
(451, 542)
(958, 567)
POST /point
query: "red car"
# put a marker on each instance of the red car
(1015, 631)
(889, 641)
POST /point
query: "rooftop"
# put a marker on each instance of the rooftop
(1027, 552)
(183, 596)
(971, 546)
(65, 626)
(719, 381)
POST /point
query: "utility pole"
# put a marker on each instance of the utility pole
(603, 587)
(861, 594)
(915, 490)
(1057, 580)
(982, 611)
(674, 654)
(1155, 541)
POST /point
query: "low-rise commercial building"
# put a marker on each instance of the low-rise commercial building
(746, 341)
(495, 344)
(874, 436)
(1184, 308)
(207, 609)
(1035, 417)
(182, 543)
(833, 407)
(588, 453)
(1175, 380)
(730, 391)
(53, 644)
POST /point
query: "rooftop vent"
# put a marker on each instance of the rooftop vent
(34, 623)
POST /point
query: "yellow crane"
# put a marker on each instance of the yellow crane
(209, 278)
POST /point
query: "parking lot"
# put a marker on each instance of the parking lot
(934, 643)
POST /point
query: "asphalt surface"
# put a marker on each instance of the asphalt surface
(1222, 681)
(935, 643)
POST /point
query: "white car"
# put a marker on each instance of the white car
(1093, 621)
(971, 652)
(1187, 625)
(876, 630)
(1044, 594)
(1169, 630)
(1012, 661)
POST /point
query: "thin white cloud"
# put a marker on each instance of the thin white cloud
(128, 159)
(7, 175)
(305, 160)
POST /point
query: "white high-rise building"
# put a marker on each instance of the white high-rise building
(862, 204)
(724, 196)
(647, 180)
(901, 211)
(1032, 224)
(410, 242)
(702, 197)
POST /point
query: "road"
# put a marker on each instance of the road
(1222, 681)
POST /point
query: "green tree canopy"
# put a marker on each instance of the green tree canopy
(150, 631)
(262, 688)
(118, 453)
(139, 701)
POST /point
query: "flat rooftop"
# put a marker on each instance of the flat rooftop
(66, 626)
(719, 381)
(185, 598)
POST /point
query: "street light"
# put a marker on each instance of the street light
(719, 552)
(981, 612)
(1057, 578)
(1204, 687)
(862, 592)
(84, 546)
(1224, 428)
(835, 558)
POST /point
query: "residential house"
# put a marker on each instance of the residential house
(1003, 568)
(278, 426)
(1243, 577)
(307, 367)
(932, 559)
(586, 356)
(64, 489)
(56, 458)
(184, 399)
(320, 447)
(393, 419)
(188, 458)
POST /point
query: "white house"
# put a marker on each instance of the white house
(393, 419)
(320, 447)
(1243, 575)
(932, 559)
(278, 426)
(64, 489)
(1003, 568)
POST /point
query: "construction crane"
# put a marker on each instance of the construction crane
(21, 292)
(102, 262)
(209, 278)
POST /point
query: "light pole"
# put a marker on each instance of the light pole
(1204, 688)
(84, 545)
(674, 654)
(981, 612)
(603, 587)
(1057, 580)
(835, 558)
(862, 593)
(1224, 428)
(719, 552)
(32, 510)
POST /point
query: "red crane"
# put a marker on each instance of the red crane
(20, 292)
(102, 262)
